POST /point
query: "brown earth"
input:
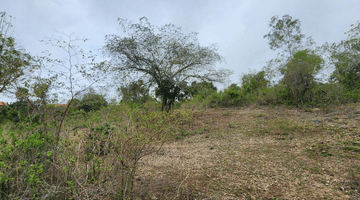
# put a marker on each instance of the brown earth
(258, 153)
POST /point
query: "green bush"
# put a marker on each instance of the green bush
(232, 97)
(252, 83)
(101, 156)
(20, 111)
(92, 102)
(23, 161)
(327, 94)
(202, 94)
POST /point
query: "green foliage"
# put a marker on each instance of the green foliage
(346, 57)
(104, 155)
(197, 88)
(203, 95)
(21, 111)
(166, 57)
(299, 75)
(168, 91)
(22, 94)
(285, 33)
(7, 113)
(278, 94)
(41, 89)
(22, 156)
(92, 102)
(100, 145)
(325, 94)
(252, 83)
(13, 61)
(252, 90)
(135, 92)
(74, 105)
(232, 97)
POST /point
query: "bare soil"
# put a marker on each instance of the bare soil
(258, 153)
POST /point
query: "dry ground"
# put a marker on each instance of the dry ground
(259, 153)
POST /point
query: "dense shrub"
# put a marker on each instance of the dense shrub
(136, 92)
(253, 82)
(19, 111)
(92, 102)
(201, 88)
(100, 159)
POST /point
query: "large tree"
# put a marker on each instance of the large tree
(285, 34)
(299, 74)
(13, 60)
(164, 57)
(346, 57)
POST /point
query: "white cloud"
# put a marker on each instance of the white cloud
(237, 26)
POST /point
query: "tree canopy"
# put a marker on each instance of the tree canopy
(163, 55)
(299, 73)
(346, 58)
(13, 61)
(134, 92)
(285, 34)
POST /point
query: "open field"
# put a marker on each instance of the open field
(258, 153)
(240, 153)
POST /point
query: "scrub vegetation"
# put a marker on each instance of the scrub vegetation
(285, 132)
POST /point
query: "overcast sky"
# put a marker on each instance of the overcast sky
(237, 26)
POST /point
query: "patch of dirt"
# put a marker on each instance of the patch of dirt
(259, 153)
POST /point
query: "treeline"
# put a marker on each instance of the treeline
(293, 78)
(89, 146)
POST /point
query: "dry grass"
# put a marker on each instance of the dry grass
(259, 153)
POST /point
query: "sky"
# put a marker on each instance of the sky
(236, 26)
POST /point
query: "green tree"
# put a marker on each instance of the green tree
(135, 92)
(168, 91)
(299, 74)
(285, 34)
(41, 90)
(346, 57)
(92, 101)
(22, 94)
(197, 87)
(252, 82)
(165, 57)
(13, 60)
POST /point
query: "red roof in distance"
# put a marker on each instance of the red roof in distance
(3, 104)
